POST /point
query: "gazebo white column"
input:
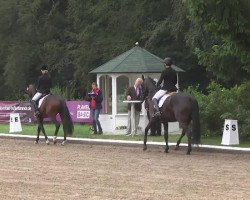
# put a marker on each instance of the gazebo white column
(98, 79)
(177, 85)
(114, 94)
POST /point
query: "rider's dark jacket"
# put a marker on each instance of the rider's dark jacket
(170, 79)
(44, 84)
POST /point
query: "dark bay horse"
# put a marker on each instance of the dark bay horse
(179, 107)
(50, 107)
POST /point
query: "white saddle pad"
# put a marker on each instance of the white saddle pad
(41, 100)
(162, 100)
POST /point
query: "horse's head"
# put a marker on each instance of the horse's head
(31, 90)
(149, 87)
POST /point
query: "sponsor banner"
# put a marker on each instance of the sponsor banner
(79, 111)
(24, 109)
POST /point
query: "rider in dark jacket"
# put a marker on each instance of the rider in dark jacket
(170, 80)
(44, 85)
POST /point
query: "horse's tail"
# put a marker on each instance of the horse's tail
(196, 132)
(68, 127)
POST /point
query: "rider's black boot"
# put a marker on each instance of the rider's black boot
(35, 107)
(157, 109)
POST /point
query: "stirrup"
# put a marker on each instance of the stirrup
(37, 113)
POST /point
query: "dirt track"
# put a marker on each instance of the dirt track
(80, 171)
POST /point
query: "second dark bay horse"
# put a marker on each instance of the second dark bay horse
(179, 107)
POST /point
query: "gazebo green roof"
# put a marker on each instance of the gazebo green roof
(135, 60)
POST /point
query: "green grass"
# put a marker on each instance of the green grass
(83, 131)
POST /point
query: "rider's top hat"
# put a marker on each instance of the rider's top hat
(44, 67)
(168, 61)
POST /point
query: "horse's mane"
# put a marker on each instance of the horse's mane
(151, 80)
(149, 87)
(32, 85)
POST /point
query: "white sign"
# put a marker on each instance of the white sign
(15, 123)
(230, 132)
(83, 114)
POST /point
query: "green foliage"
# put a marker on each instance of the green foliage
(73, 37)
(220, 104)
(121, 107)
(56, 90)
(86, 34)
(227, 23)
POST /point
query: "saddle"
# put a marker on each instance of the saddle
(164, 97)
(41, 99)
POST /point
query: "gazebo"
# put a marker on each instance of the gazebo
(115, 76)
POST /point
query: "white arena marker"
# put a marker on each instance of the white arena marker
(230, 133)
(15, 123)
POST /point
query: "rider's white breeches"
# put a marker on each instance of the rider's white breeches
(37, 96)
(159, 94)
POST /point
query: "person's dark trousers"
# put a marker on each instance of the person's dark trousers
(96, 123)
(94, 127)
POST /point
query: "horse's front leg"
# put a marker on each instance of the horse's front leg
(166, 136)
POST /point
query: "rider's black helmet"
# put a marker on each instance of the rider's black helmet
(44, 67)
(168, 61)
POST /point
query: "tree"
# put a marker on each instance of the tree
(226, 24)
(86, 34)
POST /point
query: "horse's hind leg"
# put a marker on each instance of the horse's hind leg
(166, 136)
(146, 135)
(189, 142)
(179, 141)
(64, 140)
(57, 124)
(185, 130)
(38, 133)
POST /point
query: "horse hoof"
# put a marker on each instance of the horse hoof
(166, 151)
(47, 142)
(63, 143)
(54, 140)
(144, 148)
(36, 142)
(177, 148)
(188, 153)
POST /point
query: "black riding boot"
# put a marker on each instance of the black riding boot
(157, 109)
(94, 127)
(35, 107)
(100, 130)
